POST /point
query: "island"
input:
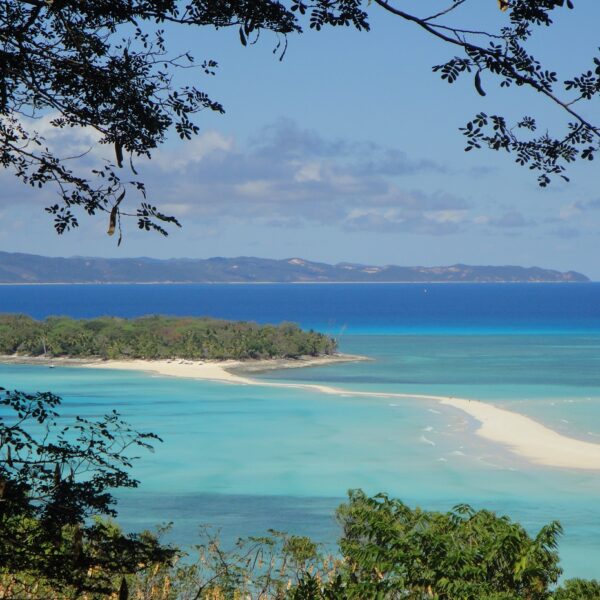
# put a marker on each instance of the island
(158, 338)
(17, 268)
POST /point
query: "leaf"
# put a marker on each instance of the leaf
(123, 590)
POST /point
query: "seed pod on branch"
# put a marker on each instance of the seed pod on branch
(119, 154)
(478, 87)
(112, 220)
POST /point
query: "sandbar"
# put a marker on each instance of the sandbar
(523, 435)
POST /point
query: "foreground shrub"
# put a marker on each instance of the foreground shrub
(55, 487)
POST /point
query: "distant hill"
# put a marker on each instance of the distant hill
(29, 268)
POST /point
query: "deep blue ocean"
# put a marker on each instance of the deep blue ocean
(335, 308)
(246, 459)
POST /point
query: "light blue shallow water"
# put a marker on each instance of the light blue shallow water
(247, 459)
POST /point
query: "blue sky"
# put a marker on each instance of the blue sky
(349, 150)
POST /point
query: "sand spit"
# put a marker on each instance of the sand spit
(521, 434)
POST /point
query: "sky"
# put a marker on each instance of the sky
(346, 150)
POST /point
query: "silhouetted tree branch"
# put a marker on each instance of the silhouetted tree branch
(105, 66)
(504, 56)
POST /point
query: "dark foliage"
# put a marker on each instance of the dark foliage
(503, 55)
(55, 483)
(104, 65)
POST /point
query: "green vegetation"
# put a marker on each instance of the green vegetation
(55, 482)
(157, 337)
(55, 542)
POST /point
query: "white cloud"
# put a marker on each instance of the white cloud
(185, 155)
(292, 176)
(255, 189)
(308, 172)
(446, 216)
(66, 142)
(176, 209)
(569, 210)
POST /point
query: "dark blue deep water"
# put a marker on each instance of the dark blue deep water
(355, 308)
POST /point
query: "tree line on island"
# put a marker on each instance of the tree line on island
(158, 337)
(58, 542)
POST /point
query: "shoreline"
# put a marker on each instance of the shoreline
(522, 435)
(224, 371)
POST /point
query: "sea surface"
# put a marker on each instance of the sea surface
(246, 459)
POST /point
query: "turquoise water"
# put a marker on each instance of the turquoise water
(249, 458)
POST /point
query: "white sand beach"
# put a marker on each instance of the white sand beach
(521, 434)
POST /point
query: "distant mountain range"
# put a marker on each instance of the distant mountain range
(29, 268)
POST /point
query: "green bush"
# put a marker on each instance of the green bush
(578, 589)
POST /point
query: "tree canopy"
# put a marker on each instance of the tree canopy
(394, 551)
(158, 337)
(105, 66)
